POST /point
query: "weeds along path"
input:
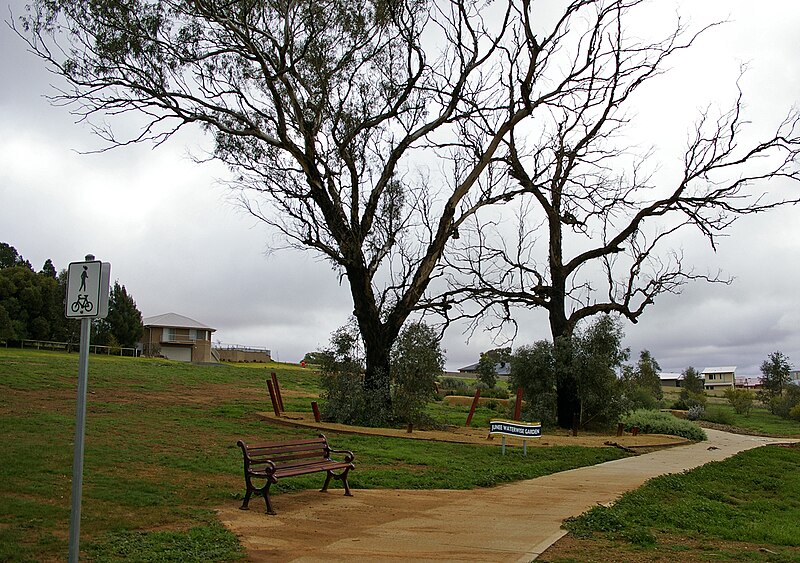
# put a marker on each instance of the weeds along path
(513, 522)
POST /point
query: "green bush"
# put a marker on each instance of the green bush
(656, 422)
(453, 384)
(783, 404)
(689, 399)
(741, 400)
(719, 416)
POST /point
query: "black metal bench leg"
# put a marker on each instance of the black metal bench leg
(265, 492)
(246, 500)
(343, 477)
(324, 488)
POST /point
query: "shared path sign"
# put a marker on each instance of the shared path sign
(87, 289)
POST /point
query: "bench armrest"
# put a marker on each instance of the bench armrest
(349, 456)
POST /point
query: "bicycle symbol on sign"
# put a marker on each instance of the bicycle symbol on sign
(82, 304)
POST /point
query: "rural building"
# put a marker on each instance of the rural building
(177, 337)
(748, 381)
(243, 354)
(670, 379)
(500, 368)
(719, 377)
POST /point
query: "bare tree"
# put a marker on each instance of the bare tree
(330, 115)
(592, 226)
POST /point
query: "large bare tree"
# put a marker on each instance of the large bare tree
(593, 225)
(330, 113)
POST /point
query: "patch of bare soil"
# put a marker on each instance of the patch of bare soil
(470, 435)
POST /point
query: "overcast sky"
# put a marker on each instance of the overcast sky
(179, 244)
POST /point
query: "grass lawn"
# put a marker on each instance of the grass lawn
(745, 508)
(161, 454)
(759, 421)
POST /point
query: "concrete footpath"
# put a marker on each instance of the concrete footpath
(514, 522)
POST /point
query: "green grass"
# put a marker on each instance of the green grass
(753, 497)
(760, 421)
(161, 454)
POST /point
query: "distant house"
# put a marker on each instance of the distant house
(177, 337)
(670, 379)
(748, 381)
(719, 377)
(501, 368)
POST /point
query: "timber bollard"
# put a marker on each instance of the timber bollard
(273, 398)
(474, 404)
(518, 404)
(278, 391)
(620, 428)
(315, 408)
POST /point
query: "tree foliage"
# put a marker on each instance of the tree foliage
(776, 373)
(591, 357)
(32, 304)
(417, 362)
(123, 324)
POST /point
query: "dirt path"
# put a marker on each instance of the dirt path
(513, 522)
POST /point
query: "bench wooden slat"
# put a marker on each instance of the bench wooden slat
(274, 460)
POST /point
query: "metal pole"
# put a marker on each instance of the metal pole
(80, 425)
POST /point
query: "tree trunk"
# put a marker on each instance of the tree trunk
(568, 404)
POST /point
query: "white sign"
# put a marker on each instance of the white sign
(87, 289)
(518, 429)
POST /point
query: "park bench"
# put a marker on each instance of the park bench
(275, 460)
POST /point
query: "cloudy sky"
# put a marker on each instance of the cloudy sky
(179, 244)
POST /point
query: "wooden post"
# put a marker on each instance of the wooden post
(273, 398)
(518, 404)
(474, 404)
(278, 391)
(315, 408)
(635, 430)
(620, 428)
(575, 423)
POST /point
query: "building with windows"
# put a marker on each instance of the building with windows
(719, 377)
(177, 337)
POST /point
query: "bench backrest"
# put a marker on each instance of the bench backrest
(290, 453)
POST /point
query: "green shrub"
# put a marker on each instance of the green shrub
(655, 422)
(719, 416)
(689, 399)
(451, 384)
(741, 400)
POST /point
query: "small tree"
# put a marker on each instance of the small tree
(417, 361)
(591, 357)
(487, 370)
(692, 381)
(123, 324)
(740, 399)
(692, 391)
(598, 354)
(533, 369)
(775, 375)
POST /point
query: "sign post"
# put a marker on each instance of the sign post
(87, 299)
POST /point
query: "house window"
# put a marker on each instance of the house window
(201, 334)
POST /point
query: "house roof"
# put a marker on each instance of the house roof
(501, 368)
(722, 369)
(174, 320)
(669, 375)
